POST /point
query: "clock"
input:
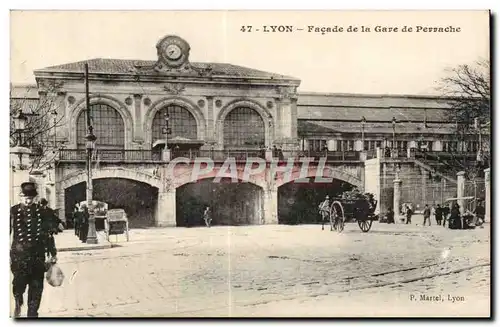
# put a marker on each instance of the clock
(173, 51)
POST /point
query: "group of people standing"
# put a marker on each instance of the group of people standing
(81, 221)
(32, 227)
(444, 213)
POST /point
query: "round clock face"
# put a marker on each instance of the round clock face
(173, 52)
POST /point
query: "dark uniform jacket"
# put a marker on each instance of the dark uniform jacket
(31, 231)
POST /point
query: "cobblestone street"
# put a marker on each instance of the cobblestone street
(279, 271)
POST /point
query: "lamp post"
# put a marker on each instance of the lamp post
(166, 131)
(363, 122)
(90, 139)
(90, 146)
(20, 121)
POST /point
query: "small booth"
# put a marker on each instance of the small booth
(179, 147)
(117, 223)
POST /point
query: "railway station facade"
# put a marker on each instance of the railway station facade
(146, 114)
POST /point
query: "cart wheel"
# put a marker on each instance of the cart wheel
(337, 219)
(365, 225)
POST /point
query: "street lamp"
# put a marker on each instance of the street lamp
(90, 139)
(20, 121)
(363, 122)
(166, 130)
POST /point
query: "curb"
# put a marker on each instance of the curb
(87, 248)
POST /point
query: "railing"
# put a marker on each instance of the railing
(331, 156)
(111, 155)
(442, 155)
(218, 155)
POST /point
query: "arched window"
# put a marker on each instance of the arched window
(108, 124)
(244, 129)
(180, 121)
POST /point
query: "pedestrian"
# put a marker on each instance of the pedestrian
(84, 222)
(455, 220)
(275, 151)
(324, 208)
(28, 251)
(53, 222)
(390, 216)
(446, 211)
(76, 219)
(409, 213)
(427, 214)
(439, 214)
(207, 217)
(479, 213)
(281, 157)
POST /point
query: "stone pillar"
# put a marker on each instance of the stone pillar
(137, 114)
(270, 207)
(397, 199)
(165, 209)
(487, 197)
(424, 175)
(332, 145)
(362, 155)
(461, 189)
(166, 155)
(269, 155)
(62, 116)
(209, 135)
(60, 198)
(380, 153)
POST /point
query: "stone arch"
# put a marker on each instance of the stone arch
(119, 106)
(186, 177)
(263, 112)
(136, 175)
(182, 102)
(334, 173)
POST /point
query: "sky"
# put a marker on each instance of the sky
(341, 62)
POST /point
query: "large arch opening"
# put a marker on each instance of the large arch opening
(298, 202)
(231, 204)
(139, 200)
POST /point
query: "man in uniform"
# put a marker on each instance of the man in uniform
(31, 240)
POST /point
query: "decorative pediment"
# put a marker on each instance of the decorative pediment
(174, 88)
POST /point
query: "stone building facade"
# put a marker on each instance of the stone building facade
(144, 109)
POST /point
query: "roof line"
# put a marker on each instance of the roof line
(377, 95)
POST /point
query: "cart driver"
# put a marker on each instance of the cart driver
(324, 209)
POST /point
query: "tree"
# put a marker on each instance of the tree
(466, 89)
(42, 122)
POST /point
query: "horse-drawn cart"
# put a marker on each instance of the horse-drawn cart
(360, 208)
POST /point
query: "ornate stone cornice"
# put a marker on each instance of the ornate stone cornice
(284, 93)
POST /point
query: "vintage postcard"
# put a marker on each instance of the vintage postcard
(250, 164)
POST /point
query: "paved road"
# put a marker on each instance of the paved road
(279, 271)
